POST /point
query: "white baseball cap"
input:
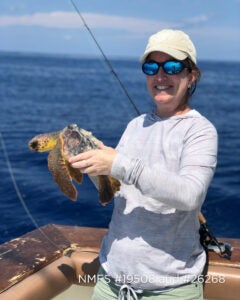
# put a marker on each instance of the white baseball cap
(175, 43)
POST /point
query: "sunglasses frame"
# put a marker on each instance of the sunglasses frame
(184, 66)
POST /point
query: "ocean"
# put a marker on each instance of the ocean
(43, 93)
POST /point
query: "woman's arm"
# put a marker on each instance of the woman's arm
(183, 190)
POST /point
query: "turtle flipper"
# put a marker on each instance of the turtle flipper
(105, 188)
(57, 166)
(75, 173)
(115, 184)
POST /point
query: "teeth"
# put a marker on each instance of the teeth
(161, 87)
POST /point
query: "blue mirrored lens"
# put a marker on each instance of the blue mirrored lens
(150, 68)
(173, 67)
(169, 67)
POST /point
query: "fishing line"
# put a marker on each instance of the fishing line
(105, 58)
(9, 166)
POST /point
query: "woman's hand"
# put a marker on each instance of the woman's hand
(94, 162)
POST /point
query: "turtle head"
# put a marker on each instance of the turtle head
(44, 142)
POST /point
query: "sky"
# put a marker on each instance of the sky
(122, 27)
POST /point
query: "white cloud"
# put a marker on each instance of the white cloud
(198, 19)
(59, 19)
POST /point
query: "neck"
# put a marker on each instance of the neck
(166, 113)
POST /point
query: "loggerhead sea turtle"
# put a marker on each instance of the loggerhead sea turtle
(63, 144)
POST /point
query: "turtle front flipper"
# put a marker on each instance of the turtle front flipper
(58, 167)
(106, 188)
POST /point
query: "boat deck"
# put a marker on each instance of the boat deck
(54, 256)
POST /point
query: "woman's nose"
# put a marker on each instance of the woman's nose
(160, 74)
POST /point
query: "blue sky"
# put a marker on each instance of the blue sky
(121, 27)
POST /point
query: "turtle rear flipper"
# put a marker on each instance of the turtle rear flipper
(58, 167)
(107, 186)
(75, 173)
(115, 184)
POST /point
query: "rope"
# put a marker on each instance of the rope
(126, 292)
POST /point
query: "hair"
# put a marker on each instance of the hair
(192, 66)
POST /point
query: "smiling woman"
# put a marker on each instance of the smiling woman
(165, 161)
(170, 91)
(170, 82)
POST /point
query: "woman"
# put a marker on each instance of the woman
(165, 161)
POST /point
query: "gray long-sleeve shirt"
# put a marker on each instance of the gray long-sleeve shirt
(165, 167)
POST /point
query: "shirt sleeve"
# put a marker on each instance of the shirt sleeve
(185, 189)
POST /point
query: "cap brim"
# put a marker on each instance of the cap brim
(179, 55)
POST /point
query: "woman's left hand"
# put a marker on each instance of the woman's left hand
(94, 162)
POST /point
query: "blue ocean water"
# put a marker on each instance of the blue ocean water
(43, 93)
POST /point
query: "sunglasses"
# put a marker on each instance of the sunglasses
(170, 67)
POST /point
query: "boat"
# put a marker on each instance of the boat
(61, 262)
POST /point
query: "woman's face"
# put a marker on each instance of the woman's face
(169, 92)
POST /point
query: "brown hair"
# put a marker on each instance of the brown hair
(193, 67)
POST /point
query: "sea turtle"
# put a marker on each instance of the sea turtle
(63, 144)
